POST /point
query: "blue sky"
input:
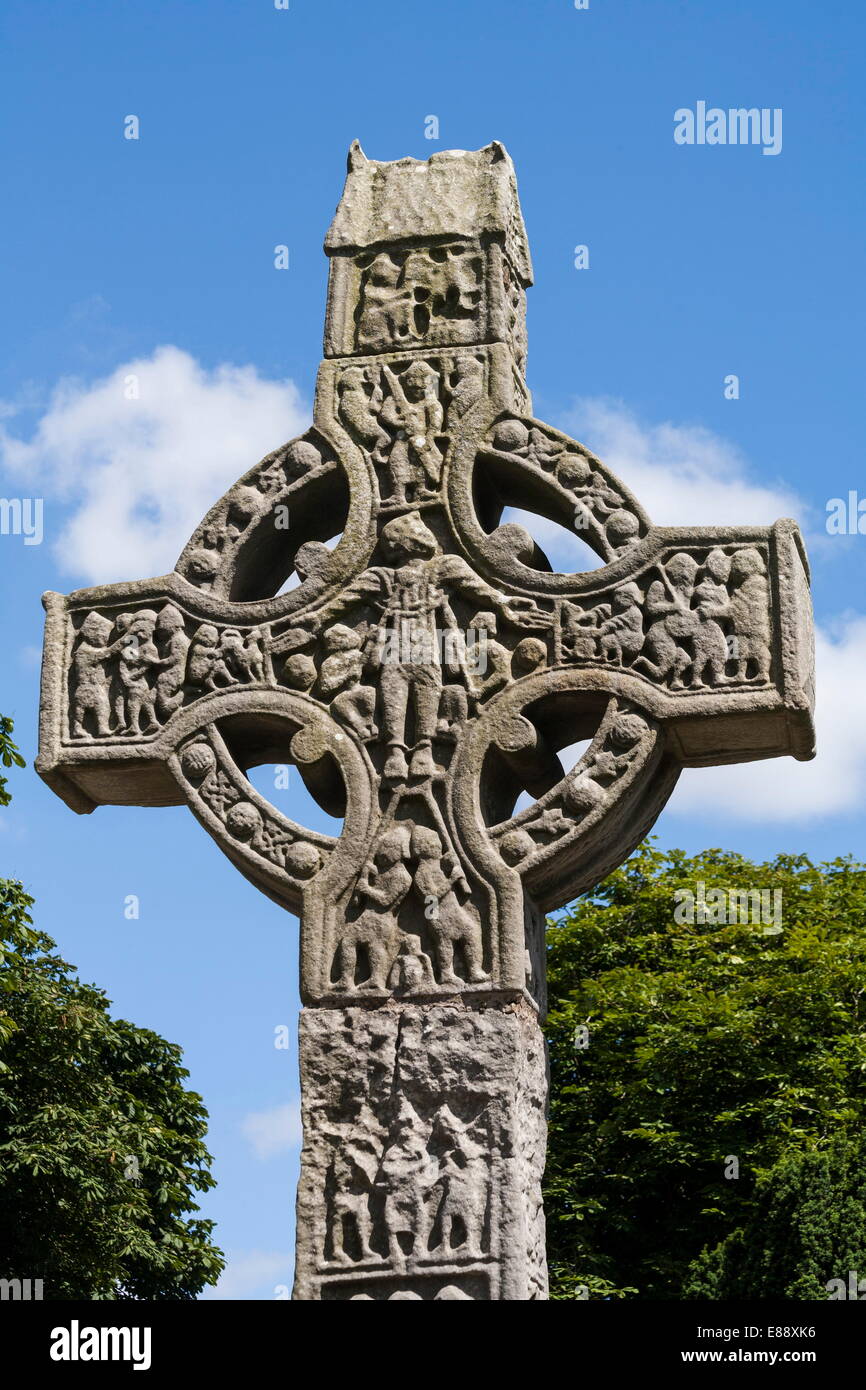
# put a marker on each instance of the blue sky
(157, 255)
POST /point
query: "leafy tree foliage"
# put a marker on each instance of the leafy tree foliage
(9, 757)
(809, 1218)
(101, 1147)
(708, 1084)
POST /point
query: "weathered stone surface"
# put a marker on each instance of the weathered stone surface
(424, 1129)
(421, 675)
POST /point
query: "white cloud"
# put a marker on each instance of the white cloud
(834, 783)
(255, 1272)
(686, 475)
(138, 475)
(683, 475)
(273, 1131)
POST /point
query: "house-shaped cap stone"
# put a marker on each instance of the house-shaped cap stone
(455, 193)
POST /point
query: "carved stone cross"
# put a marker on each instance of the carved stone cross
(421, 675)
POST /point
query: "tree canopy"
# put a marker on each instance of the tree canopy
(708, 1082)
(101, 1145)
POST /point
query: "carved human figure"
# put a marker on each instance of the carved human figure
(749, 611)
(712, 604)
(579, 628)
(90, 678)
(711, 594)
(488, 661)
(412, 970)
(668, 606)
(464, 1178)
(359, 410)
(138, 658)
(407, 1173)
(621, 635)
(174, 644)
(354, 1168)
(412, 594)
(466, 391)
(437, 882)
(340, 680)
(380, 892)
(118, 688)
(413, 412)
(204, 656)
(384, 314)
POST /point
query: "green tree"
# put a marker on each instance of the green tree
(708, 1083)
(9, 757)
(101, 1146)
(808, 1226)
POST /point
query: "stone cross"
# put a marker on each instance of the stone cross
(420, 675)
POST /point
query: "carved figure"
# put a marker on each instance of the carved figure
(340, 680)
(407, 1174)
(354, 1169)
(412, 970)
(137, 658)
(413, 597)
(621, 635)
(359, 410)
(464, 1183)
(90, 676)
(386, 307)
(749, 610)
(174, 643)
(382, 887)
(452, 925)
(413, 412)
(668, 606)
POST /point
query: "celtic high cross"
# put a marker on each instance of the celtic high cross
(422, 674)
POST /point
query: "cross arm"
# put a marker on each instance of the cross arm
(711, 629)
